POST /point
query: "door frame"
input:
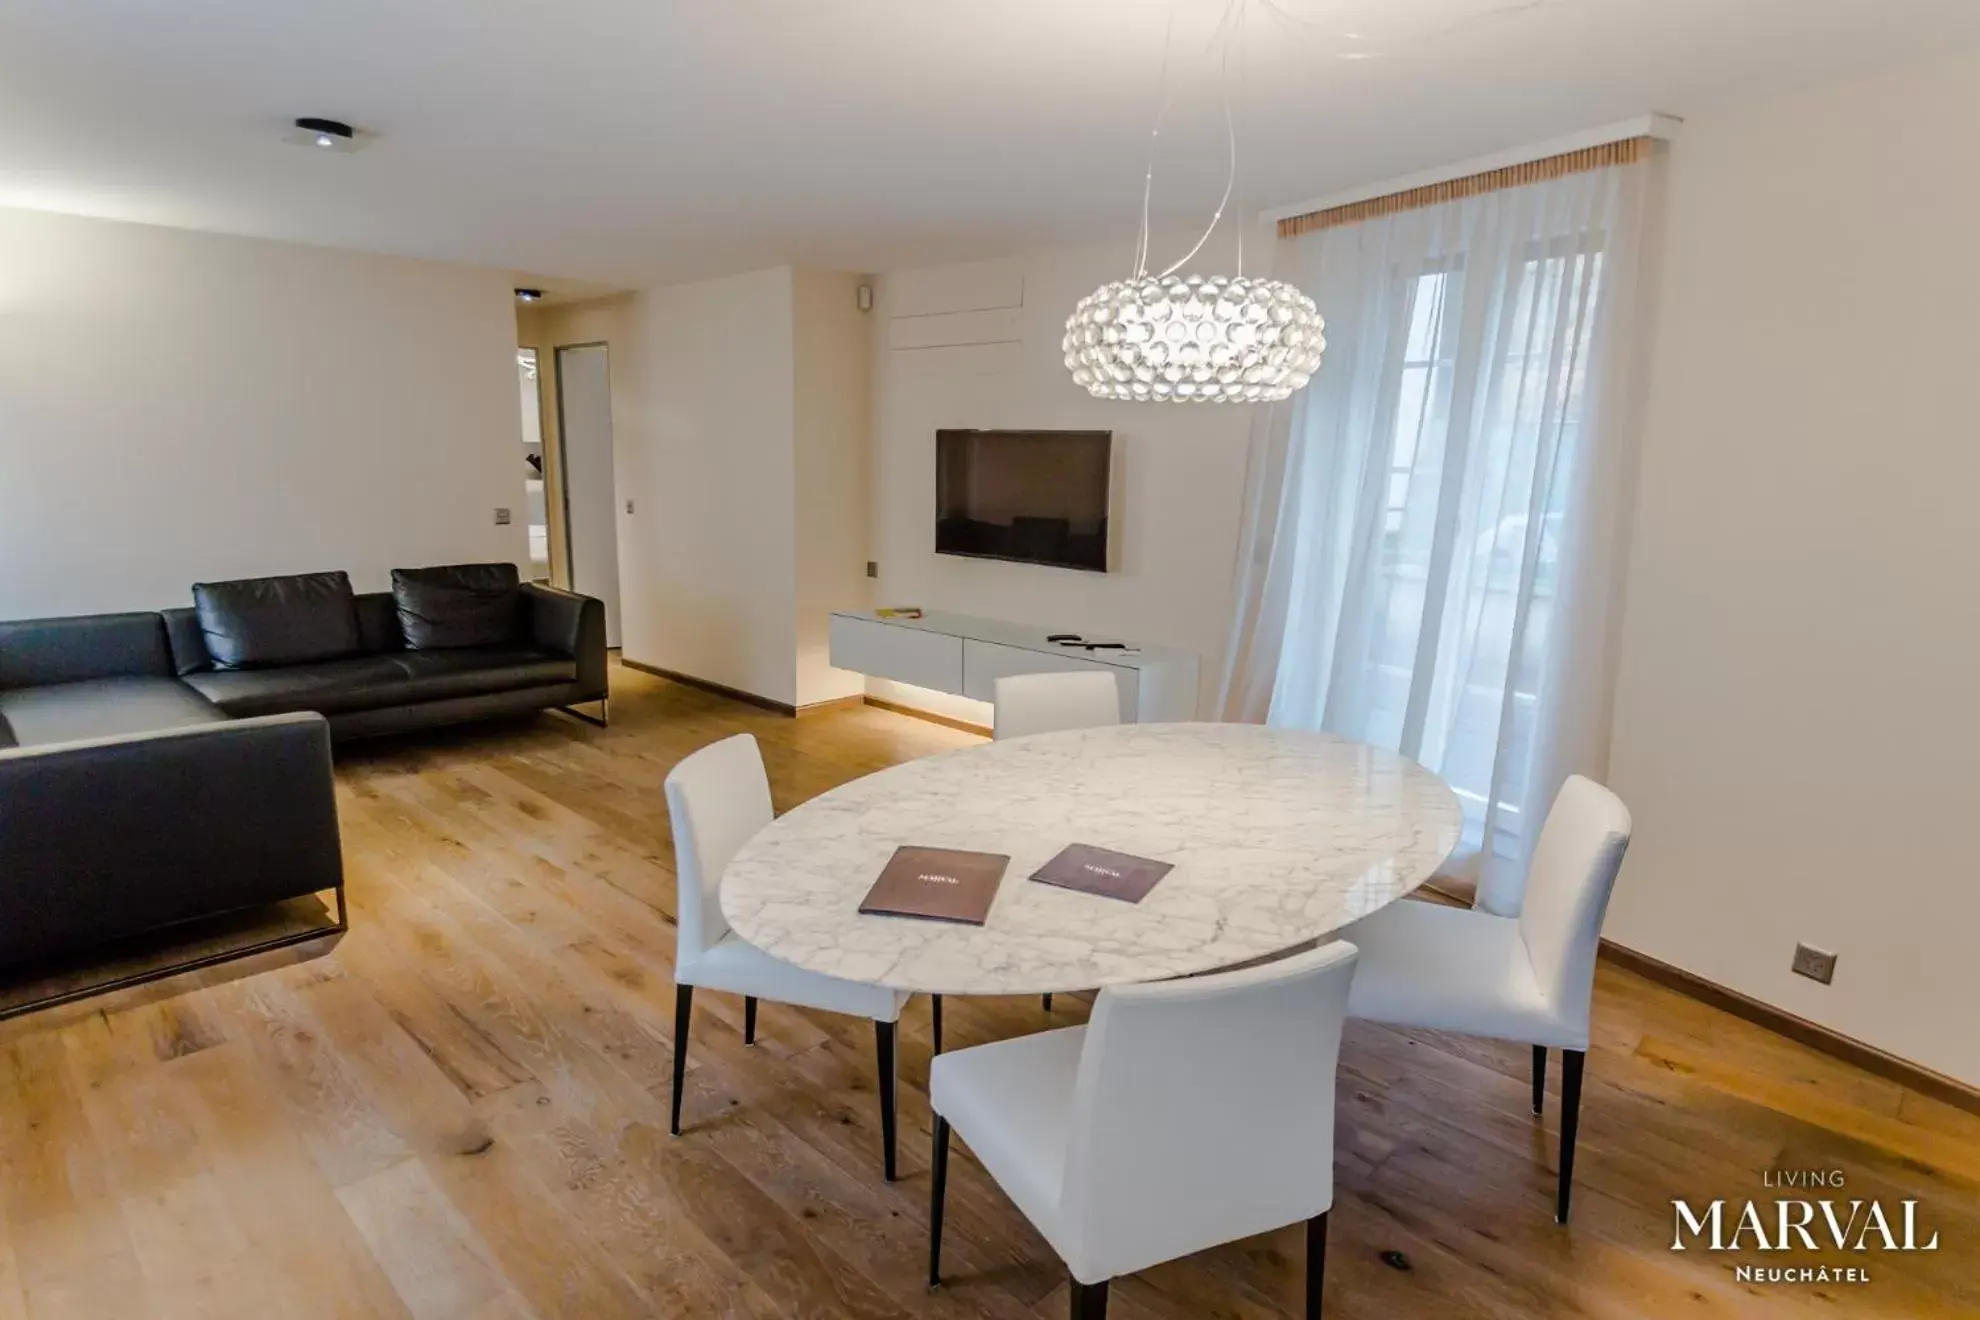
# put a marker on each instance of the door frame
(563, 468)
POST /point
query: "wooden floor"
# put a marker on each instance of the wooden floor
(461, 1110)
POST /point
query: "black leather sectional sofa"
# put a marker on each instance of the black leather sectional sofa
(159, 768)
(445, 645)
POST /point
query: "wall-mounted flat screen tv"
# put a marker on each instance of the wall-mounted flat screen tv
(1039, 497)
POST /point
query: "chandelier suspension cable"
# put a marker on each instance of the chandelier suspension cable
(1242, 84)
(1155, 131)
(1232, 24)
(1220, 36)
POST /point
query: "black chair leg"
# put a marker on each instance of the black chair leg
(1571, 1062)
(935, 1011)
(883, 1039)
(683, 1014)
(1316, 1262)
(749, 1019)
(1048, 1003)
(1089, 1301)
(1539, 1077)
(938, 1193)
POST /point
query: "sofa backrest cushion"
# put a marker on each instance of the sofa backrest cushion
(378, 622)
(277, 620)
(38, 652)
(458, 605)
(188, 642)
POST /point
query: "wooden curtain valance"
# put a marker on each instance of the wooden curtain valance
(1624, 152)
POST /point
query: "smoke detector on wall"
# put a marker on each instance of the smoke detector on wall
(324, 134)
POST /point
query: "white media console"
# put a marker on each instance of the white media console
(965, 656)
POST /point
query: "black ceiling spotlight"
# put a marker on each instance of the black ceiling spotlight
(326, 134)
(528, 295)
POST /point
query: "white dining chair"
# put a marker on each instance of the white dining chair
(716, 799)
(1048, 703)
(1185, 1114)
(1528, 978)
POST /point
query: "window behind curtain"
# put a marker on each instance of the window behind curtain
(1467, 563)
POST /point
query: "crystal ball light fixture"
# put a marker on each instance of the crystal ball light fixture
(1194, 339)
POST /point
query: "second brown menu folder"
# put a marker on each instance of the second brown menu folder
(937, 884)
(1103, 871)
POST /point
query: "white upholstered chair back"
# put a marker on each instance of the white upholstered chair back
(1572, 874)
(1044, 703)
(716, 799)
(1204, 1112)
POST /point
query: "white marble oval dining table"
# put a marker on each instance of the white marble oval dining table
(1278, 837)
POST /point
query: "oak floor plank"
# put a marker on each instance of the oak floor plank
(436, 1262)
(64, 1218)
(194, 1255)
(13, 1303)
(634, 1217)
(545, 1253)
(299, 1231)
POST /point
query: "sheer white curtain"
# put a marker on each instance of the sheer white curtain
(1435, 527)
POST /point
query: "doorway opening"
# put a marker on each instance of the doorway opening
(536, 502)
(590, 492)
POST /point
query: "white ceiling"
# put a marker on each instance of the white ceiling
(624, 142)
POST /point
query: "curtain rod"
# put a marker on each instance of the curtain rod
(1661, 127)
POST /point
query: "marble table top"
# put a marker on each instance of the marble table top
(1278, 836)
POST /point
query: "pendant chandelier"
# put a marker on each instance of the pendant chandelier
(1166, 338)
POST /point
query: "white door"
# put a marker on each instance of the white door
(584, 413)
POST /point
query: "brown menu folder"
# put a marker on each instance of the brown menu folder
(1102, 871)
(937, 884)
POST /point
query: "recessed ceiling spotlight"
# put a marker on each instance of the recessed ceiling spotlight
(324, 134)
(528, 295)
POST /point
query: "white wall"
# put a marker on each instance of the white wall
(704, 412)
(178, 407)
(1798, 722)
(979, 346)
(832, 442)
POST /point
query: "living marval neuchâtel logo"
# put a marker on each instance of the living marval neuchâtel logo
(1810, 1215)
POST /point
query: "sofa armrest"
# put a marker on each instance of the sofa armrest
(104, 838)
(572, 625)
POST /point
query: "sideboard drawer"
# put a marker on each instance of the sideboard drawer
(986, 662)
(906, 655)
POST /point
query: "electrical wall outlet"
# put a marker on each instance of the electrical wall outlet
(501, 517)
(872, 568)
(1815, 964)
(629, 506)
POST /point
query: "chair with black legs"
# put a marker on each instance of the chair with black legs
(1122, 1157)
(716, 799)
(1529, 978)
(1049, 703)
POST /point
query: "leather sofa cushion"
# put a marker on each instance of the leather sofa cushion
(356, 682)
(472, 670)
(38, 652)
(372, 682)
(458, 605)
(188, 642)
(378, 622)
(277, 620)
(101, 708)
